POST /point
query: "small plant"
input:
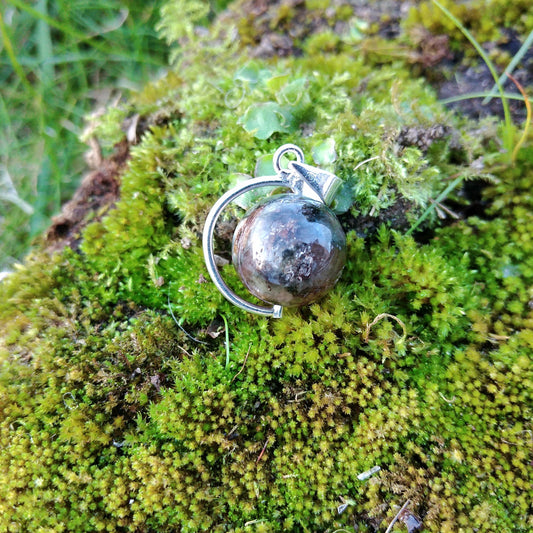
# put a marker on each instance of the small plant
(511, 147)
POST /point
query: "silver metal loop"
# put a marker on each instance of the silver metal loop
(285, 149)
(208, 243)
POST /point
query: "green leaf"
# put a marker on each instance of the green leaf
(250, 198)
(263, 120)
(324, 153)
(276, 83)
(344, 199)
(252, 74)
(264, 166)
(294, 93)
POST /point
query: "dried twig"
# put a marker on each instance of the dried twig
(184, 350)
(381, 316)
(395, 519)
(242, 367)
(366, 161)
(235, 428)
(495, 339)
(446, 399)
(251, 522)
(297, 396)
(263, 450)
(369, 473)
(445, 209)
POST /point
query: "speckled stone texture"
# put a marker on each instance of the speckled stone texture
(289, 250)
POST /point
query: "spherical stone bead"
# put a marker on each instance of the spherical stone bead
(289, 250)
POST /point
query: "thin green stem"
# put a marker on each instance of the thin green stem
(5, 132)
(433, 206)
(528, 119)
(13, 58)
(510, 67)
(44, 46)
(468, 96)
(227, 340)
(187, 334)
(508, 137)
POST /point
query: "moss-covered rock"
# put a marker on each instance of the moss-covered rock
(122, 407)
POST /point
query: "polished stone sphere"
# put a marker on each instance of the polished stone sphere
(289, 250)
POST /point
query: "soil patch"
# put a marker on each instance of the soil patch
(97, 193)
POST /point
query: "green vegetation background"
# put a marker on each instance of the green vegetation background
(121, 408)
(61, 60)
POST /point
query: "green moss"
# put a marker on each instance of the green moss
(115, 417)
(486, 20)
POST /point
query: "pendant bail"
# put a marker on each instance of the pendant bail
(309, 181)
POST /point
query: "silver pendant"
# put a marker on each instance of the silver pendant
(290, 249)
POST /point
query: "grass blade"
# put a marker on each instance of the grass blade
(528, 118)
(13, 58)
(227, 340)
(468, 96)
(44, 46)
(79, 36)
(508, 137)
(437, 201)
(516, 59)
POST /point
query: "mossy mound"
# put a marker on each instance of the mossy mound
(123, 410)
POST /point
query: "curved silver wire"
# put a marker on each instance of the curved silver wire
(208, 241)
